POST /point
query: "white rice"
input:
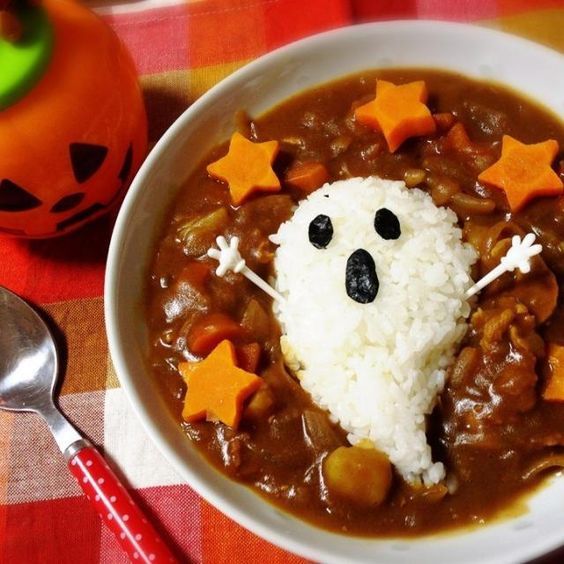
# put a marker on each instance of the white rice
(377, 367)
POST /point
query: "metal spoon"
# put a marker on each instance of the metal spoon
(28, 372)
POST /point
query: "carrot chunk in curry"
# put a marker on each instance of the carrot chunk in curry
(308, 176)
(209, 331)
(249, 357)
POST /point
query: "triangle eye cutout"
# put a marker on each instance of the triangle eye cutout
(16, 199)
(86, 159)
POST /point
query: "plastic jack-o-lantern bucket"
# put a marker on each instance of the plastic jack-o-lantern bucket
(73, 127)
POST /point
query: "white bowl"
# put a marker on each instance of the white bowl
(527, 67)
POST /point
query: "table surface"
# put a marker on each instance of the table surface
(181, 49)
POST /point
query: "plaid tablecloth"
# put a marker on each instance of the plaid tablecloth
(181, 49)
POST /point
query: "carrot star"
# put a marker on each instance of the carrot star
(216, 387)
(524, 172)
(398, 111)
(247, 168)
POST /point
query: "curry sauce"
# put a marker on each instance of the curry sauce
(496, 435)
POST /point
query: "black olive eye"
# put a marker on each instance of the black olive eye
(387, 224)
(320, 231)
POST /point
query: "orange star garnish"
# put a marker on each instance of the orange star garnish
(216, 387)
(247, 168)
(524, 172)
(398, 111)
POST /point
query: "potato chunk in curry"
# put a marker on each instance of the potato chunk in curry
(361, 475)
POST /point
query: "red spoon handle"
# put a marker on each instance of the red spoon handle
(136, 535)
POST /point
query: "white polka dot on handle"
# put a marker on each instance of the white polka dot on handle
(113, 498)
(136, 555)
(110, 516)
(73, 463)
(100, 481)
(89, 463)
(85, 479)
(125, 517)
(151, 557)
(138, 536)
(122, 535)
(97, 498)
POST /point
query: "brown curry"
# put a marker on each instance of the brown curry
(496, 434)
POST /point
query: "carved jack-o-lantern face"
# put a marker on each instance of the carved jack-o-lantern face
(69, 146)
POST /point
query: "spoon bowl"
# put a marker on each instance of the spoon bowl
(28, 358)
(28, 373)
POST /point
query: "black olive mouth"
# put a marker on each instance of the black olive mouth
(361, 280)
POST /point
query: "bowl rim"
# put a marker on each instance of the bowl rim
(111, 301)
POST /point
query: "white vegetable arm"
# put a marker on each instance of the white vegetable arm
(229, 258)
(518, 256)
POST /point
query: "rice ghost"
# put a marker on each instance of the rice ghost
(373, 276)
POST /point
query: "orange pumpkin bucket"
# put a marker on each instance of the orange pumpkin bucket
(73, 128)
